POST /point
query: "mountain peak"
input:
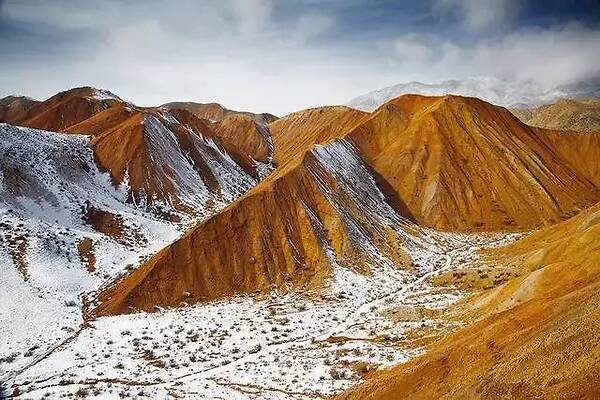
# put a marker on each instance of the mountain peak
(87, 92)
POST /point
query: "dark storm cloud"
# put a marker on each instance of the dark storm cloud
(279, 56)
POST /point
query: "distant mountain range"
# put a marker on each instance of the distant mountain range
(496, 91)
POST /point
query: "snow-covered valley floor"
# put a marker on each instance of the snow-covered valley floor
(292, 346)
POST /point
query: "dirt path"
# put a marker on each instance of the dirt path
(353, 318)
(400, 294)
(58, 345)
(404, 291)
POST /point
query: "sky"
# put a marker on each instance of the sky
(280, 56)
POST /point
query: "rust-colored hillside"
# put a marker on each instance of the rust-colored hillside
(287, 232)
(64, 109)
(240, 129)
(245, 136)
(581, 115)
(168, 155)
(447, 162)
(215, 112)
(462, 164)
(13, 108)
(297, 132)
(535, 337)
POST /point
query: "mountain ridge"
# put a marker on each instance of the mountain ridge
(496, 91)
(314, 193)
(124, 136)
(582, 115)
(533, 336)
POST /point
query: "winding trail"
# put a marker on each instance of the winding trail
(400, 294)
(354, 317)
(404, 292)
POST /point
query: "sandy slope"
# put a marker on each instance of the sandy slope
(581, 115)
(535, 337)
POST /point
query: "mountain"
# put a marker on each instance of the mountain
(567, 114)
(159, 154)
(462, 164)
(536, 336)
(286, 231)
(64, 109)
(248, 132)
(496, 91)
(110, 186)
(216, 112)
(348, 189)
(437, 246)
(15, 107)
(65, 230)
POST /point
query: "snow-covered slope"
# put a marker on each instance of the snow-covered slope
(496, 91)
(304, 284)
(66, 228)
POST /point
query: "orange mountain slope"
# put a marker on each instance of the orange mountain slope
(581, 115)
(297, 132)
(169, 156)
(240, 129)
(13, 108)
(462, 164)
(64, 109)
(580, 149)
(215, 112)
(537, 336)
(325, 198)
(245, 136)
(322, 208)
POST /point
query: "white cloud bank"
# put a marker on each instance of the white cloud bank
(240, 53)
(481, 15)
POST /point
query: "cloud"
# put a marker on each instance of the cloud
(553, 56)
(252, 15)
(480, 15)
(270, 56)
(412, 48)
(311, 25)
(549, 57)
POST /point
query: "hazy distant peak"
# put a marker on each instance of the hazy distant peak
(497, 91)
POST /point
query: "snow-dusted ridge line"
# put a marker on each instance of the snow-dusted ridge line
(496, 91)
(103, 94)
